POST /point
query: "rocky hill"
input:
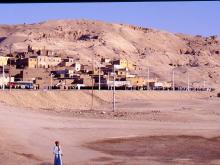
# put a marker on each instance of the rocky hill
(159, 50)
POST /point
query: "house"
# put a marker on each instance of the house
(11, 60)
(105, 60)
(118, 83)
(3, 60)
(123, 63)
(87, 80)
(77, 66)
(136, 81)
(103, 81)
(122, 72)
(60, 73)
(21, 55)
(107, 69)
(34, 75)
(30, 62)
(67, 62)
(5, 80)
(86, 69)
(32, 59)
(47, 62)
(162, 84)
(98, 71)
(65, 73)
(40, 51)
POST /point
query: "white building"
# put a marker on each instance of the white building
(77, 66)
(46, 62)
(5, 80)
(118, 83)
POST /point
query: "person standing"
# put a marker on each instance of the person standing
(57, 154)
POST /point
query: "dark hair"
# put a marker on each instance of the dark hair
(57, 143)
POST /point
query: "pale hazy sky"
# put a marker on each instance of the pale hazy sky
(185, 17)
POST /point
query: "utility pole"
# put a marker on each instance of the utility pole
(51, 81)
(113, 88)
(9, 74)
(204, 84)
(3, 75)
(92, 81)
(10, 70)
(148, 78)
(99, 79)
(108, 80)
(173, 81)
(188, 81)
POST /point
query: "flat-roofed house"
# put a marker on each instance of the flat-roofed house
(122, 72)
(123, 63)
(136, 81)
(5, 80)
(86, 69)
(3, 60)
(67, 62)
(87, 80)
(32, 62)
(47, 62)
(162, 84)
(105, 60)
(77, 66)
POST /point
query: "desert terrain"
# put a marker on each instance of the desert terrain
(148, 127)
(160, 51)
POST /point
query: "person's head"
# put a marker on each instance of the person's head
(57, 143)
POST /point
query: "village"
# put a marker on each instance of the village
(43, 69)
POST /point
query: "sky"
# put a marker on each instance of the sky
(196, 18)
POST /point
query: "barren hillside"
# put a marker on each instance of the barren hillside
(159, 50)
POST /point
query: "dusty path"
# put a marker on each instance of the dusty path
(27, 136)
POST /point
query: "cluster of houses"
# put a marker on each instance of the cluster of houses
(43, 69)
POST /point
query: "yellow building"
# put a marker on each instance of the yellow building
(96, 71)
(32, 62)
(3, 60)
(124, 63)
(167, 84)
(136, 81)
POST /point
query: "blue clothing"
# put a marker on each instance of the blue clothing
(57, 155)
(57, 160)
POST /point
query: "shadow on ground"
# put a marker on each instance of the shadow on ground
(191, 149)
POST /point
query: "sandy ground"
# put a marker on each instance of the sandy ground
(149, 128)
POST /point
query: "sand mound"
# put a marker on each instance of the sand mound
(82, 100)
